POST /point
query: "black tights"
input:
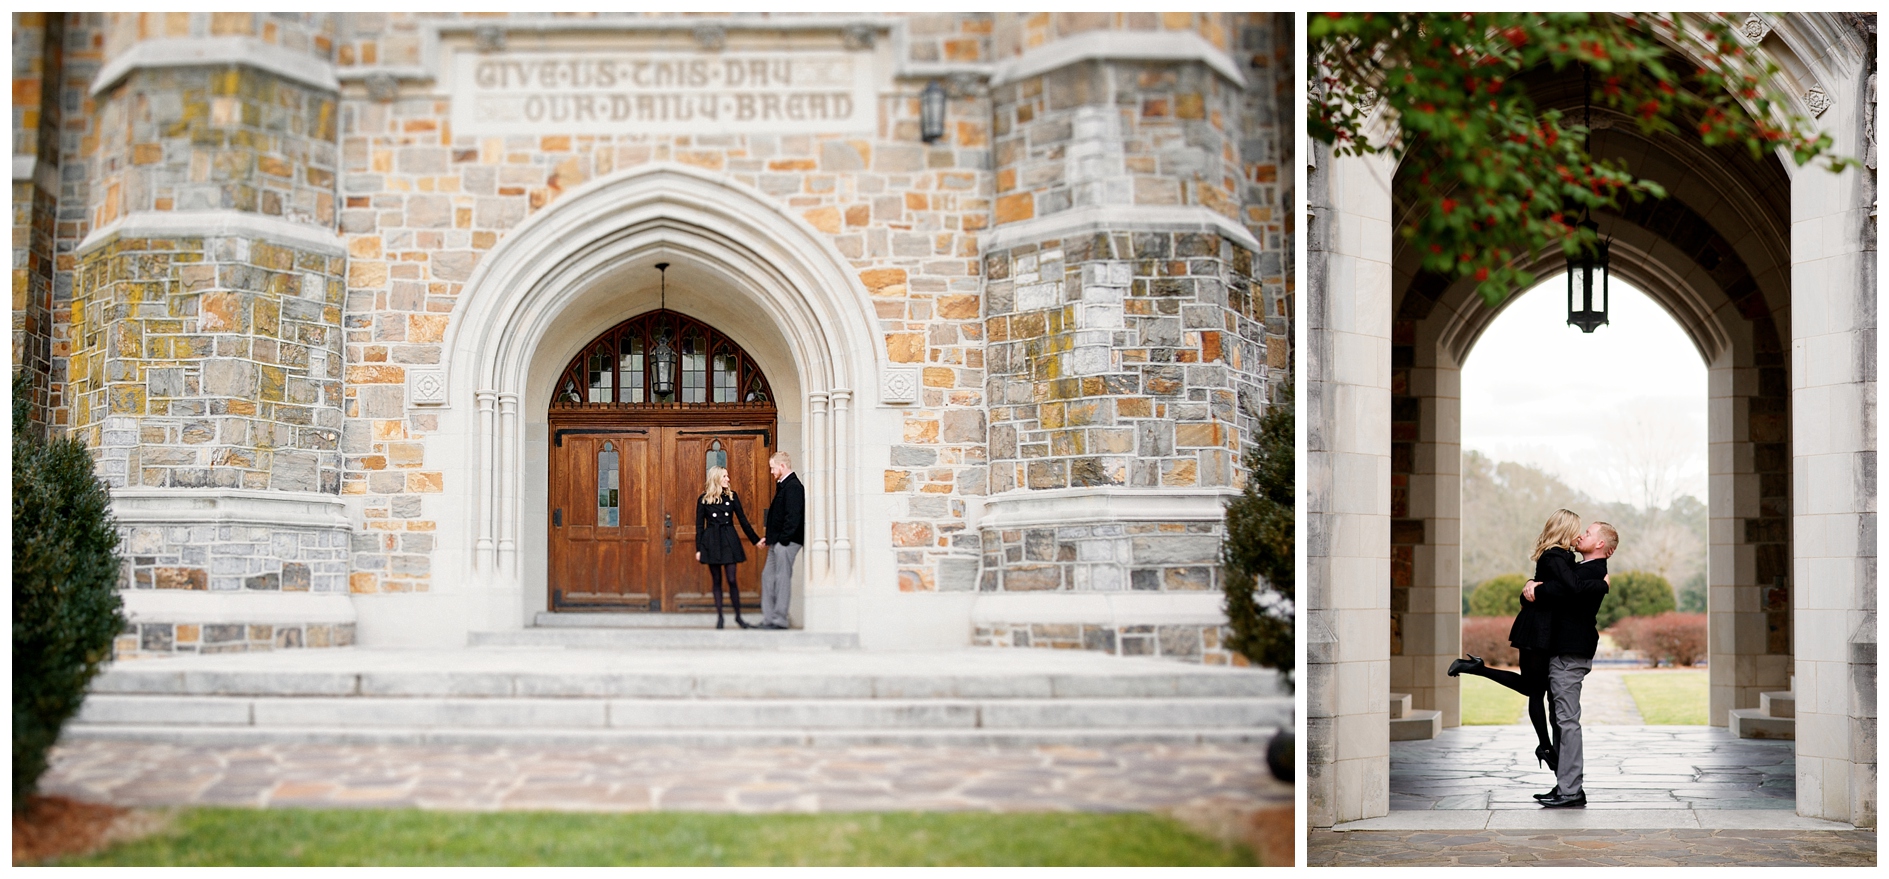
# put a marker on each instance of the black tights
(1533, 683)
(734, 591)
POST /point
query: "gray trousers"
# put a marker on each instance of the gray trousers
(777, 584)
(1565, 673)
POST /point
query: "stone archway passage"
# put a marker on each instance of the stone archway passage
(627, 462)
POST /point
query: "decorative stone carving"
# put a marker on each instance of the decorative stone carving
(490, 38)
(899, 386)
(1817, 100)
(1755, 27)
(711, 37)
(382, 87)
(426, 387)
(859, 37)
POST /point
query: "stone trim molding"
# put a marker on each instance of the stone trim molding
(1080, 506)
(1077, 222)
(276, 609)
(228, 506)
(1117, 46)
(213, 224)
(217, 52)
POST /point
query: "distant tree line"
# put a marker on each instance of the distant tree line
(1504, 505)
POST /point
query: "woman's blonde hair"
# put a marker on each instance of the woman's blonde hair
(1562, 528)
(713, 491)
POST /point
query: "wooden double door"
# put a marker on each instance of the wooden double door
(623, 493)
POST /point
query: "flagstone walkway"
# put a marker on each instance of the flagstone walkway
(752, 779)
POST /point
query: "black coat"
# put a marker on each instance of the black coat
(1574, 603)
(715, 530)
(1533, 625)
(787, 515)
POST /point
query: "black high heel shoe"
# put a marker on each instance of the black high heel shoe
(1548, 756)
(718, 621)
(742, 623)
(1458, 666)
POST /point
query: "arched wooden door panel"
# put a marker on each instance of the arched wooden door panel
(627, 465)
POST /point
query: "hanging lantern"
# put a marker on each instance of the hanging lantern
(931, 112)
(662, 360)
(1587, 278)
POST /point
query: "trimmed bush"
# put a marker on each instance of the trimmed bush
(66, 608)
(1488, 637)
(1674, 638)
(1257, 555)
(1634, 594)
(1626, 633)
(1499, 596)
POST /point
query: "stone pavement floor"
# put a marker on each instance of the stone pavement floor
(1173, 779)
(1627, 767)
(1593, 848)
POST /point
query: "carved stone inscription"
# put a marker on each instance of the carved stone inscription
(661, 93)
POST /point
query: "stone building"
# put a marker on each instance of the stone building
(365, 314)
(1770, 268)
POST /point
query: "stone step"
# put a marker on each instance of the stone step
(577, 674)
(719, 714)
(251, 735)
(1400, 705)
(634, 620)
(1753, 723)
(1778, 704)
(1420, 724)
(668, 637)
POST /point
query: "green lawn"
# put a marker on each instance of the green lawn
(308, 837)
(1487, 703)
(1669, 697)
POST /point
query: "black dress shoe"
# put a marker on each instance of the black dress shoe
(772, 626)
(1551, 794)
(1563, 801)
(1458, 666)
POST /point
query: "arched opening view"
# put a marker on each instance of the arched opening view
(1610, 425)
(638, 418)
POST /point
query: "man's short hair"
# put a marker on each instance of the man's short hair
(782, 459)
(1608, 534)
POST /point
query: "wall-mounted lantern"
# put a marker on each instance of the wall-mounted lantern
(931, 112)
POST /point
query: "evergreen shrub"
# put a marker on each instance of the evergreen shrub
(66, 608)
(1634, 594)
(1257, 555)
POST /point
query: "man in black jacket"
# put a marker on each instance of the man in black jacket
(786, 525)
(1572, 640)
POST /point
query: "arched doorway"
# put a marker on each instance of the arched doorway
(638, 417)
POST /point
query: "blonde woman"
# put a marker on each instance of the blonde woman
(1554, 562)
(715, 542)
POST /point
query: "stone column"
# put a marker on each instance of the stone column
(1347, 419)
(1125, 313)
(1833, 497)
(206, 369)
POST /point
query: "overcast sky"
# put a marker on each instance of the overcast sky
(1541, 392)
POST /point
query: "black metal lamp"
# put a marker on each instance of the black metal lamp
(1587, 276)
(931, 112)
(662, 360)
(1587, 271)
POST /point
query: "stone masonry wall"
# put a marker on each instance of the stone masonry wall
(422, 205)
(1201, 644)
(36, 72)
(148, 640)
(1018, 32)
(209, 362)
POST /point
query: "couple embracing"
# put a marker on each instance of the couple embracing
(1556, 634)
